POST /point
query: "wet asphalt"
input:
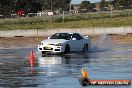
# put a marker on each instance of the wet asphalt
(105, 60)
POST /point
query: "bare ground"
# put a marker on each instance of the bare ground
(34, 41)
(118, 39)
(6, 42)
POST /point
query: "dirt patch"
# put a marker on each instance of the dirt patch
(118, 39)
(122, 39)
(34, 41)
(20, 41)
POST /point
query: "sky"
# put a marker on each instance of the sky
(79, 1)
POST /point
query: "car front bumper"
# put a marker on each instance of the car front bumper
(50, 48)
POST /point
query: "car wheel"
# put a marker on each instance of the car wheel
(43, 52)
(67, 49)
(85, 48)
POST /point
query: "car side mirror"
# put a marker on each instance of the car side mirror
(86, 37)
(74, 39)
(48, 37)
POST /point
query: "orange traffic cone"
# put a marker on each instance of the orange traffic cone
(84, 74)
(31, 58)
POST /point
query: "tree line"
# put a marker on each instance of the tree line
(116, 3)
(105, 3)
(31, 6)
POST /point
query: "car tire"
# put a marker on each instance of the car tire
(85, 48)
(43, 52)
(67, 49)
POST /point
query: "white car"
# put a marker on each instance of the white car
(64, 43)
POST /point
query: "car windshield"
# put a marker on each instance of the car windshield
(61, 36)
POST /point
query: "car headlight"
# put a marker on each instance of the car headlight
(59, 44)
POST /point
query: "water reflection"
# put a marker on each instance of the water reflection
(55, 65)
(14, 68)
(11, 72)
(75, 58)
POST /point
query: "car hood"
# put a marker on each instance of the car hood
(53, 41)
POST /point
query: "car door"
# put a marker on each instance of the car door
(78, 42)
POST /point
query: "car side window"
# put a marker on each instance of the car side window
(77, 36)
(61, 36)
(65, 36)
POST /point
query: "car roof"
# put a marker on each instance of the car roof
(68, 33)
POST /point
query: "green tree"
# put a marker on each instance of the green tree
(68, 1)
(103, 3)
(7, 7)
(53, 4)
(13, 6)
(125, 3)
(85, 5)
